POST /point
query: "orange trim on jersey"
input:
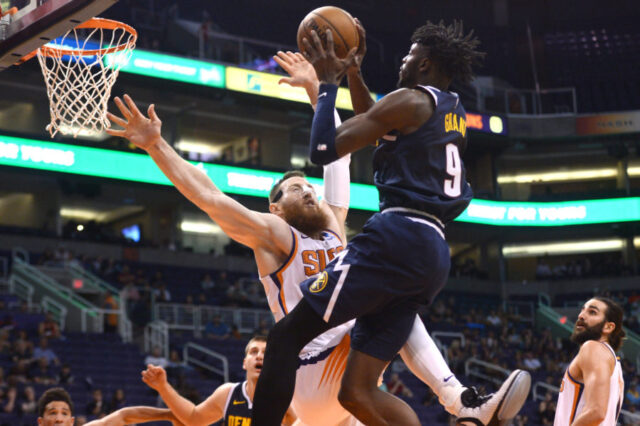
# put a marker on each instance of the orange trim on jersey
(336, 362)
(283, 268)
(576, 395)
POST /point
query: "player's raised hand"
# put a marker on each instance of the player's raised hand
(329, 68)
(155, 377)
(301, 73)
(141, 131)
(362, 48)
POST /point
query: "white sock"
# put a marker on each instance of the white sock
(425, 361)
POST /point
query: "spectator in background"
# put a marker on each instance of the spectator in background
(9, 403)
(207, 284)
(531, 362)
(633, 393)
(110, 319)
(131, 296)
(547, 410)
(256, 295)
(49, 327)
(397, 387)
(161, 293)
(235, 333)
(64, 376)
(118, 400)
(156, 358)
(264, 328)
(222, 283)
(96, 407)
(42, 374)
(216, 329)
(29, 404)
(543, 270)
(5, 344)
(236, 296)
(493, 319)
(125, 276)
(43, 351)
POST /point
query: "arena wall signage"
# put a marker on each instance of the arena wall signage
(194, 71)
(606, 124)
(171, 67)
(266, 84)
(105, 163)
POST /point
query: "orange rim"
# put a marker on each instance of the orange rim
(107, 24)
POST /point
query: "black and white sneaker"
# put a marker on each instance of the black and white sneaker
(496, 408)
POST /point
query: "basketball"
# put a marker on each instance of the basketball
(339, 21)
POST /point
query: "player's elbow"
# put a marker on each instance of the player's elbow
(597, 415)
(320, 157)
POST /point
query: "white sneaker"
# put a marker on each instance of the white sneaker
(495, 408)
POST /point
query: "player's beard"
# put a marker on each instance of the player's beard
(589, 333)
(308, 221)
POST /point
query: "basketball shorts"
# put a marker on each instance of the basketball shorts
(399, 262)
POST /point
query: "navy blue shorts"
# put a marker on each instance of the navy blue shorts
(385, 273)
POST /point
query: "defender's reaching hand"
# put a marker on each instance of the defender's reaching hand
(155, 377)
(141, 131)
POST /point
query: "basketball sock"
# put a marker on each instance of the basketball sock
(425, 361)
(277, 379)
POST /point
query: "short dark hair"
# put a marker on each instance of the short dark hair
(453, 52)
(257, 338)
(51, 395)
(276, 193)
(614, 314)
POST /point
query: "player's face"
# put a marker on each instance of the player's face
(253, 360)
(408, 75)
(56, 413)
(590, 323)
(300, 207)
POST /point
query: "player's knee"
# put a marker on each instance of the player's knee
(351, 397)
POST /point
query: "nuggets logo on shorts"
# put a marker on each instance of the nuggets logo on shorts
(320, 283)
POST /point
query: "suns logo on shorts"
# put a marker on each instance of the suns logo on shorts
(320, 283)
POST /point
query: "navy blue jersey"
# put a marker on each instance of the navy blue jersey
(237, 411)
(423, 170)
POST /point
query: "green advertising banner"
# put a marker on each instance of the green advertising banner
(170, 67)
(105, 163)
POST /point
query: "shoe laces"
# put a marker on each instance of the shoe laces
(472, 398)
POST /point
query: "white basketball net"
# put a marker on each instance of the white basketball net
(79, 85)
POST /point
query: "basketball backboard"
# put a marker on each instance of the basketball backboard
(37, 22)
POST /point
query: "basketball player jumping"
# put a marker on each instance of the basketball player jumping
(592, 388)
(401, 259)
(296, 240)
(230, 402)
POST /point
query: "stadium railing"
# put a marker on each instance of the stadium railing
(192, 353)
(473, 365)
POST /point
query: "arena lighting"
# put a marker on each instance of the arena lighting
(198, 146)
(200, 227)
(81, 214)
(134, 167)
(586, 174)
(566, 247)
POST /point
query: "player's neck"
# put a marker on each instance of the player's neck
(439, 82)
(251, 388)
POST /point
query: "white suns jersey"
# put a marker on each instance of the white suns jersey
(571, 398)
(308, 257)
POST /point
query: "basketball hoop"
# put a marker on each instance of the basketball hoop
(79, 75)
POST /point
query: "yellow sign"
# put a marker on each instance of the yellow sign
(265, 84)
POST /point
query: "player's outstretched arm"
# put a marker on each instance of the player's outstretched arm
(360, 95)
(596, 363)
(131, 415)
(246, 226)
(209, 411)
(301, 73)
(336, 175)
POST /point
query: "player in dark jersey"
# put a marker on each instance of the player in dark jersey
(230, 402)
(401, 259)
